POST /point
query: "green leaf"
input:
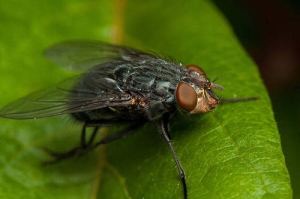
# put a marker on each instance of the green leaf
(232, 152)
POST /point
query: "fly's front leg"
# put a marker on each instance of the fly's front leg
(164, 129)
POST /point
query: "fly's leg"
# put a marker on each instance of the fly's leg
(88, 146)
(97, 125)
(130, 129)
(77, 151)
(164, 129)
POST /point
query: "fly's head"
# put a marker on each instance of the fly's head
(194, 93)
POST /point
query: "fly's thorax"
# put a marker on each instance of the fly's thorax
(194, 94)
(155, 79)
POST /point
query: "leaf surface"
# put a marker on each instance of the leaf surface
(232, 152)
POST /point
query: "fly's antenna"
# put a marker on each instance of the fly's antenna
(239, 99)
(217, 78)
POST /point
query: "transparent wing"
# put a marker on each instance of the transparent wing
(81, 55)
(67, 98)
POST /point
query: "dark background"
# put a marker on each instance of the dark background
(270, 32)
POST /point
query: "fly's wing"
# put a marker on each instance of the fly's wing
(81, 56)
(97, 91)
(67, 97)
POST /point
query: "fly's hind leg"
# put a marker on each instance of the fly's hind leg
(86, 146)
(76, 151)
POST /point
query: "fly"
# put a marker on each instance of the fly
(119, 85)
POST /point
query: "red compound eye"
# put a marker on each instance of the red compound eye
(196, 68)
(186, 96)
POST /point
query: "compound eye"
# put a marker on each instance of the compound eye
(186, 96)
(196, 68)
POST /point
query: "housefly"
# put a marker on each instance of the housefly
(119, 85)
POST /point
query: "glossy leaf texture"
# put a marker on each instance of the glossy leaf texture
(232, 152)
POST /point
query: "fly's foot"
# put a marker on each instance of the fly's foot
(58, 156)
